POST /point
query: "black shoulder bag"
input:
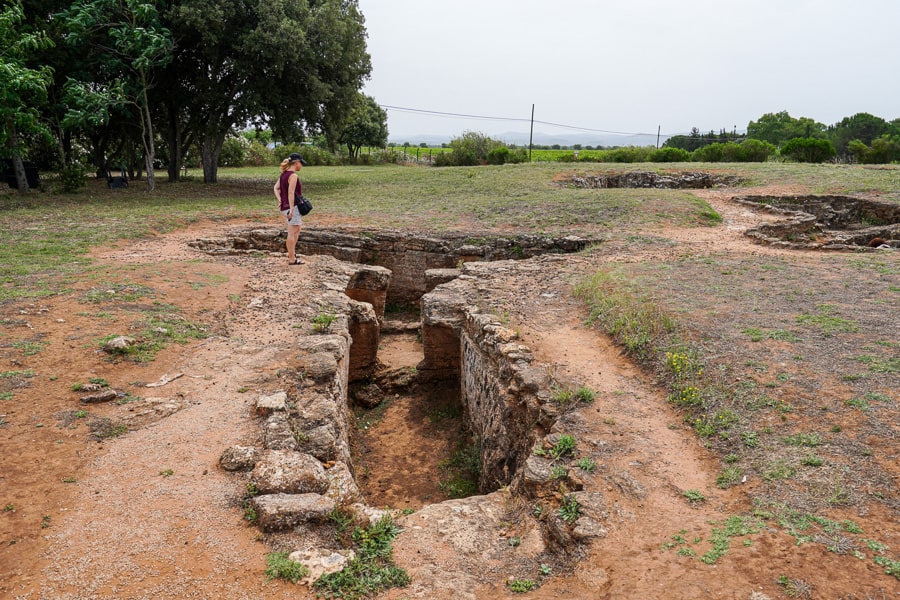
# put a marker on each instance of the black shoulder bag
(302, 204)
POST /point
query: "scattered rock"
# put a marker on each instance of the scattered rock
(119, 344)
(104, 396)
(368, 396)
(320, 562)
(239, 458)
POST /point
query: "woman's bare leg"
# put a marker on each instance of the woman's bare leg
(293, 234)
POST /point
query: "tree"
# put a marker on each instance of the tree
(885, 149)
(778, 128)
(861, 126)
(129, 44)
(293, 66)
(22, 89)
(695, 139)
(365, 126)
(809, 150)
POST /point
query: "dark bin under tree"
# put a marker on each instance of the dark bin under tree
(31, 174)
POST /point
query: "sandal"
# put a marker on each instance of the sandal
(297, 261)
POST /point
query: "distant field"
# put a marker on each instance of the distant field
(424, 154)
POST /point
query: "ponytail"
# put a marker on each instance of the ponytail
(285, 164)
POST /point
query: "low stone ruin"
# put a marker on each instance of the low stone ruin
(407, 256)
(827, 222)
(644, 179)
(303, 470)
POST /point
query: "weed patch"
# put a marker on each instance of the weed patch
(373, 568)
(826, 323)
(279, 566)
(460, 473)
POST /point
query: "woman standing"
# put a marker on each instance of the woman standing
(286, 189)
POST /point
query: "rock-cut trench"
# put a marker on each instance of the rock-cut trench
(420, 395)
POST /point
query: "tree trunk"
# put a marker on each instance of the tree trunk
(210, 150)
(18, 167)
(147, 135)
(173, 139)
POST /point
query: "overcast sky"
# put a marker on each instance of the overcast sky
(629, 65)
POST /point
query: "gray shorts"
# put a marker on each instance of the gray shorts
(296, 219)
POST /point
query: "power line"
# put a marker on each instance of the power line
(521, 120)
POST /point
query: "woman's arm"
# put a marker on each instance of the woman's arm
(277, 191)
(292, 187)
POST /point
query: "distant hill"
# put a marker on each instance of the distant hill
(540, 139)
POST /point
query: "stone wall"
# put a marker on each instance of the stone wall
(505, 398)
(407, 256)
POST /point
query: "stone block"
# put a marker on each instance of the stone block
(282, 471)
(342, 487)
(276, 512)
(239, 458)
(277, 434)
(266, 405)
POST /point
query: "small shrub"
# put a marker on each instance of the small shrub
(809, 150)
(565, 445)
(750, 439)
(585, 394)
(559, 472)
(668, 155)
(687, 395)
(322, 321)
(729, 476)
(812, 461)
(373, 569)
(570, 510)
(520, 586)
(72, 178)
(498, 156)
(586, 464)
(693, 496)
(810, 440)
(279, 566)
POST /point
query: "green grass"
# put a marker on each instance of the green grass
(460, 473)
(626, 312)
(38, 260)
(160, 327)
(373, 568)
(279, 566)
(827, 323)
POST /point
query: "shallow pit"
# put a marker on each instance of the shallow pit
(647, 179)
(827, 222)
(405, 446)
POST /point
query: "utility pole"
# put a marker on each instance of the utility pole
(658, 129)
(531, 135)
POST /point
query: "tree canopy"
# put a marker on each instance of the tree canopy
(778, 128)
(366, 126)
(23, 90)
(192, 71)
